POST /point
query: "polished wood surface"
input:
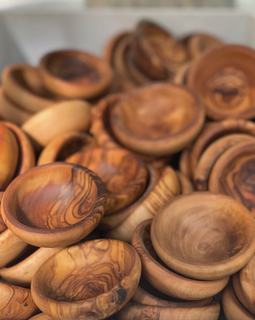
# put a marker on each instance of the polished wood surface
(159, 119)
(124, 177)
(2, 224)
(164, 279)
(184, 162)
(185, 183)
(41, 316)
(100, 277)
(63, 204)
(203, 235)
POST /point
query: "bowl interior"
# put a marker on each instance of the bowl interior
(53, 196)
(90, 269)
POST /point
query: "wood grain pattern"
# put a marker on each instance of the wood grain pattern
(16, 302)
(124, 177)
(64, 145)
(166, 188)
(64, 203)
(210, 156)
(232, 174)
(135, 311)
(75, 74)
(203, 235)
(111, 46)
(184, 162)
(158, 119)
(99, 279)
(185, 183)
(198, 44)
(2, 224)
(224, 79)
(41, 316)
(164, 279)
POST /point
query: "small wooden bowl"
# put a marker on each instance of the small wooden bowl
(54, 205)
(112, 45)
(19, 91)
(165, 189)
(62, 117)
(164, 279)
(158, 120)
(64, 145)
(180, 76)
(75, 74)
(224, 78)
(203, 235)
(124, 177)
(210, 156)
(232, 307)
(185, 183)
(184, 162)
(16, 302)
(9, 111)
(2, 224)
(99, 278)
(232, 174)
(136, 311)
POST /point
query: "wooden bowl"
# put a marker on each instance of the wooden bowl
(19, 91)
(203, 235)
(16, 302)
(112, 45)
(165, 189)
(225, 80)
(136, 311)
(65, 145)
(184, 162)
(180, 76)
(99, 278)
(151, 120)
(125, 178)
(185, 183)
(9, 111)
(164, 279)
(232, 174)
(41, 316)
(54, 205)
(232, 307)
(62, 117)
(75, 74)
(210, 156)
(21, 274)
(2, 224)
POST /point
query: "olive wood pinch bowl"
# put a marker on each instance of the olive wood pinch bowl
(99, 278)
(124, 176)
(16, 302)
(232, 174)
(75, 74)
(233, 309)
(185, 183)
(158, 119)
(136, 311)
(224, 78)
(16, 87)
(54, 205)
(203, 235)
(65, 145)
(164, 279)
(112, 45)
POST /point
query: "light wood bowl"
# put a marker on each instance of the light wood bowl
(232, 174)
(54, 205)
(164, 279)
(203, 235)
(99, 278)
(184, 162)
(124, 177)
(158, 120)
(224, 78)
(75, 74)
(16, 302)
(65, 145)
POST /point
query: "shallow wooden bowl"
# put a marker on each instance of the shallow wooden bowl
(232, 174)
(158, 119)
(20, 92)
(99, 278)
(164, 279)
(224, 78)
(125, 178)
(75, 74)
(233, 309)
(16, 302)
(136, 311)
(65, 145)
(184, 162)
(44, 126)
(210, 156)
(54, 205)
(2, 224)
(203, 235)
(112, 45)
